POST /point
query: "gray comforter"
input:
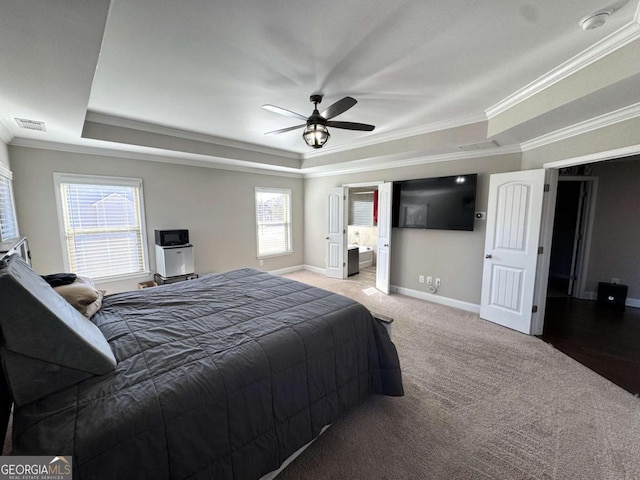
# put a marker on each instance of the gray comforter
(221, 377)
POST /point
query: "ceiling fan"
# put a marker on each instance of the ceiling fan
(316, 132)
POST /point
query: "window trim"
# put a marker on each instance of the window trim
(8, 175)
(74, 178)
(286, 191)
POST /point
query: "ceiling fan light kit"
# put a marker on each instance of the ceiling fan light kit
(316, 133)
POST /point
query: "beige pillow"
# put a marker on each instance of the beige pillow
(83, 295)
(93, 307)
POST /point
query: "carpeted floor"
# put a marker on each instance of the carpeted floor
(482, 402)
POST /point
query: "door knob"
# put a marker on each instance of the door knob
(326, 238)
(488, 255)
(386, 244)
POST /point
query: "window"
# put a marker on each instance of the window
(8, 222)
(361, 208)
(102, 225)
(273, 221)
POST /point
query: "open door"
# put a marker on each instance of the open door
(336, 250)
(383, 267)
(514, 215)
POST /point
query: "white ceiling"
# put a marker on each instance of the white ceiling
(201, 70)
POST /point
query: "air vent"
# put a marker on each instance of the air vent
(479, 146)
(31, 124)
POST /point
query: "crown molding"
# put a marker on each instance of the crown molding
(627, 113)
(187, 135)
(191, 160)
(618, 39)
(405, 160)
(399, 135)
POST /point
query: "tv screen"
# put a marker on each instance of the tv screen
(443, 203)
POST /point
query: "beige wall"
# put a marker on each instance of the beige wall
(455, 257)
(615, 251)
(622, 134)
(217, 206)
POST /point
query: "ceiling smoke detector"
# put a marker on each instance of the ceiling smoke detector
(595, 20)
(31, 124)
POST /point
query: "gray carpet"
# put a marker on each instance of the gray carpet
(482, 402)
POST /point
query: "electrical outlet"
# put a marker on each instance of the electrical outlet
(261, 262)
(437, 282)
(615, 281)
(429, 280)
(421, 279)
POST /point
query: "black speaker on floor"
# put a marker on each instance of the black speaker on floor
(612, 295)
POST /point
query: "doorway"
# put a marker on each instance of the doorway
(362, 234)
(336, 258)
(603, 339)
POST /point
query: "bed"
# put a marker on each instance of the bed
(221, 377)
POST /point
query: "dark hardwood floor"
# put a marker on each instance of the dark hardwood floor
(605, 340)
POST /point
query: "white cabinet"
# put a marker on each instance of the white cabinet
(174, 261)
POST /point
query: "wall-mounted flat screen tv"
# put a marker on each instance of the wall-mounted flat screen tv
(442, 203)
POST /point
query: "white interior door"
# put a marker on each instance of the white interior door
(336, 250)
(383, 258)
(578, 236)
(514, 216)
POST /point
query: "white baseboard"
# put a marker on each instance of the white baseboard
(430, 297)
(283, 271)
(314, 269)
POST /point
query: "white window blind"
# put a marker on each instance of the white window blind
(273, 221)
(102, 225)
(361, 208)
(8, 222)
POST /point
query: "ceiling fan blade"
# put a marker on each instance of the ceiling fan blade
(283, 130)
(339, 107)
(351, 126)
(283, 111)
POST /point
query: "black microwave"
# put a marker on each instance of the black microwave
(168, 238)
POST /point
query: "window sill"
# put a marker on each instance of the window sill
(272, 255)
